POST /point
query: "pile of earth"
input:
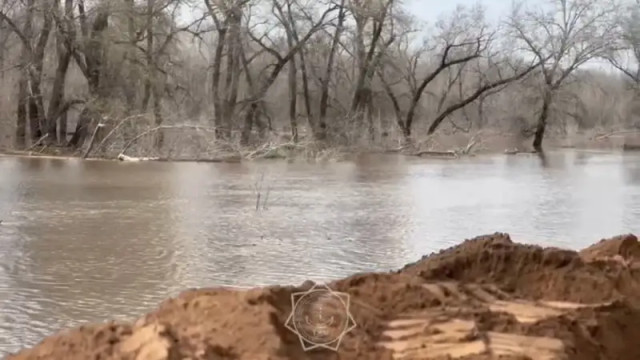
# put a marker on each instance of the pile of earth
(485, 298)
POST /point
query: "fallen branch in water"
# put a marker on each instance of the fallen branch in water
(266, 150)
(615, 133)
(38, 142)
(93, 138)
(162, 127)
(123, 157)
(437, 153)
(104, 141)
(472, 143)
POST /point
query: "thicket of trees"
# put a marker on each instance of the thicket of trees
(334, 71)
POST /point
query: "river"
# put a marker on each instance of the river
(85, 241)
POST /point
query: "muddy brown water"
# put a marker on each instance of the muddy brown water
(86, 241)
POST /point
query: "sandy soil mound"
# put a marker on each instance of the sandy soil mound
(486, 298)
(623, 246)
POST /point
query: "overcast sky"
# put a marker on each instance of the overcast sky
(430, 10)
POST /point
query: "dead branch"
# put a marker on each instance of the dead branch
(162, 127)
(38, 142)
(91, 141)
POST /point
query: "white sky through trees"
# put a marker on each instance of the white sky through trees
(431, 10)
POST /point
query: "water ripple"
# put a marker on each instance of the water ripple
(86, 242)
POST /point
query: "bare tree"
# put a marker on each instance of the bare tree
(145, 71)
(328, 73)
(56, 103)
(34, 56)
(461, 39)
(286, 19)
(88, 55)
(562, 41)
(227, 16)
(281, 60)
(367, 59)
(626, 57)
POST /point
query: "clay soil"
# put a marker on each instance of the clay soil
(486, 298)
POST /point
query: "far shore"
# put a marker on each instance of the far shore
(445, 148)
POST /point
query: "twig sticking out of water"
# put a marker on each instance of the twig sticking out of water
(258, 190)
(266, 198)
(258, 202)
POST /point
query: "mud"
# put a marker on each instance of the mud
(486, 298)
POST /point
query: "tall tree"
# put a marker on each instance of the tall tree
(562, 40)
(461, 39)
(33, 49)
(367, 59)
(275, 69)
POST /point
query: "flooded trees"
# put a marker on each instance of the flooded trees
(325, 78)
(446, 59)
(329, 72)
(265, 42)
(366, 14)
(626, 56)
(227, 18)
(562, 40)
(30, 102)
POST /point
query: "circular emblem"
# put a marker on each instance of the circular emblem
(320, 317)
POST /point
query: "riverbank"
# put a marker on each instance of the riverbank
(440, 146)
(484, 298)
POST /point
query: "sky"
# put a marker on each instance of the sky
(430, 10)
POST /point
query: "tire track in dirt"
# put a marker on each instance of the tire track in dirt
(445, 334)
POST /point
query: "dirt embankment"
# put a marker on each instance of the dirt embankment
(486, 298)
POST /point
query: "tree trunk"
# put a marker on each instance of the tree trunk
(366, 63)
(293, 97)
(34, 70)
(324, 86)
(157, 114)
(362, 102)
(542, 121)
(245, 136)
(21, 113)
(152, 86)
(35, 111)
(23, 96)
(292, 37)
(406, 130)
(57, 96)
(4, 37)
(218, 120)
(150, 78)
(89, 118)
(57, 91)
(94, 48)
(232, 80)
(306, 94)
(129, 59)
(82, 128)
(293, 73)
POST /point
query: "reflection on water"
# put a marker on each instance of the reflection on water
(87, 241)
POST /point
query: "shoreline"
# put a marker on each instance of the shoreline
(485, 297)
(343, 155)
